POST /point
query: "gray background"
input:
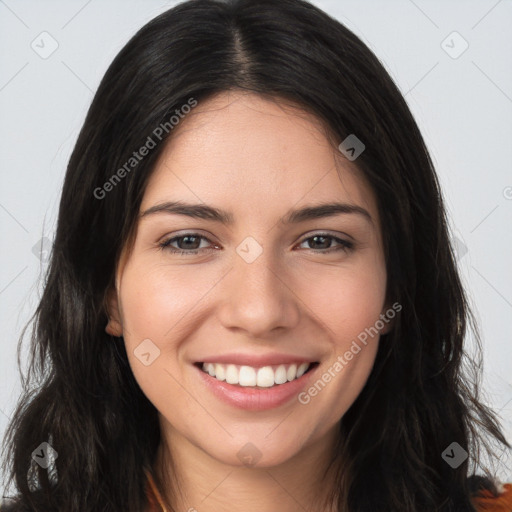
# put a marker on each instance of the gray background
(462, 101)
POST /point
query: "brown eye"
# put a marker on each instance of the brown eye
(322, 243)
(189, 243)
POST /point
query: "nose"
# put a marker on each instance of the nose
(258, 298)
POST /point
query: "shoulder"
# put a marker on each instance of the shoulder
(488, 496)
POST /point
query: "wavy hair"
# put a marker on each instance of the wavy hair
(80, 394)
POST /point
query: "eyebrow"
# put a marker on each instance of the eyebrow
(203, 211)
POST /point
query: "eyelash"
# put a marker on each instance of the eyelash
(345, 245)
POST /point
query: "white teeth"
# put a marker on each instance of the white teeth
(247, 376)
(220, 372)
(280, 375)
(210, 368)
(264, 377)
(232, 374)
(292, 372)
(302, 369)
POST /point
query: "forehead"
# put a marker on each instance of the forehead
(251, 154)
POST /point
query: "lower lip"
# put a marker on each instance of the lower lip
(255, 399)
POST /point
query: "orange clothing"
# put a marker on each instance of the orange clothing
(484, 502)
(156, 503)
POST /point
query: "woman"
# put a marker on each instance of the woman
(305, 350)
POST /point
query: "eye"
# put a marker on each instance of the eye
(187, 244)
(322, 241)
(190, 244)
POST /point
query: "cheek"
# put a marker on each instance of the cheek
(162, 304)
(157, 305)
(155, 300)
(347, 300)
(348, 304)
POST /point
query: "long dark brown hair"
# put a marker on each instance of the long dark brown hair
(80, 395)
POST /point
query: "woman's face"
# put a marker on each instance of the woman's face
(255, 294)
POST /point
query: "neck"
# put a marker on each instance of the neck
(193, 480)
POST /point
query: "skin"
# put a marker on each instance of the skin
(257, 159)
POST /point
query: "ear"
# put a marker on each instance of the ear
(114, 326)
(388, 317)
(388, 326)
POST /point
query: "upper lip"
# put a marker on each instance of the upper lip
(257, 360)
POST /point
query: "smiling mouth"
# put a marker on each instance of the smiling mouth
(256, 377)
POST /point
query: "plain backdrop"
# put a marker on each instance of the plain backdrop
(451, 59)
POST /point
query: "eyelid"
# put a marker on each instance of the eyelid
(343, 245)
(327, 232)
(188, 232)
(167, 240)
(307, 235)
